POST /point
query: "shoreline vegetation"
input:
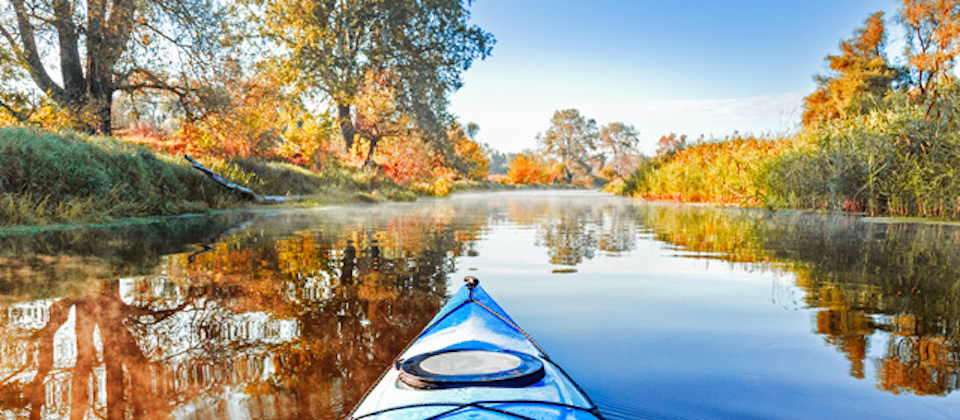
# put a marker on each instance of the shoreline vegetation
(877, 138)
(52, 181)
(68, 178)
(324, 124)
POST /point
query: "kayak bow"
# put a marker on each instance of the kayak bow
(473, 361)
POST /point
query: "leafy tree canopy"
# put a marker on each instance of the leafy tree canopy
(77, 54)
(859, 75)
(619, 140)
(933, 39)
(572, 139)
(422, 46)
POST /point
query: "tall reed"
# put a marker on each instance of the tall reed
(720, 172)
(898, 160)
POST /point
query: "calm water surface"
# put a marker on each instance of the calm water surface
(658, 311)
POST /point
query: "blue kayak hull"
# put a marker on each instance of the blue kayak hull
(471, 320)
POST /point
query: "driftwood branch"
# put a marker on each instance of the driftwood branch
(240, 189)
(219, 179)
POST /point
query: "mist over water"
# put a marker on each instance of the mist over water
(657, 310)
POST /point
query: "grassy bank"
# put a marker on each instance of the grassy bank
(48, 178)
(900, 159)
(55, 178)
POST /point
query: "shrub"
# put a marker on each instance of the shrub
(722, 172)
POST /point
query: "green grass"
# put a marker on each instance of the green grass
(70, 177)
(66, 178)
(331, 185)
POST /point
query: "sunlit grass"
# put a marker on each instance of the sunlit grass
(720, 172)
(48, 178)
(70, 177)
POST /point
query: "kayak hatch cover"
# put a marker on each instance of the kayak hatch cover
(473, 362)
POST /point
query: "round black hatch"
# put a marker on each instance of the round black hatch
(464, 368)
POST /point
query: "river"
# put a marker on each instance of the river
(657, 310)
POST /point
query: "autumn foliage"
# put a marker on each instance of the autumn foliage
(860, 75)
(877, 138)
(528, 169)
(721, 172)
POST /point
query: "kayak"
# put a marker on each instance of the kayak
(472, 361)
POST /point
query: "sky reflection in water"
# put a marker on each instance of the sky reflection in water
(657, 310)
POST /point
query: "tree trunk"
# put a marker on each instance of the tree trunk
(104, 105)
(346, 124)
(374, 141)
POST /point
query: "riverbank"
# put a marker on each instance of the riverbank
(56, 181)
(899, 160)
(69, 178)
(715, 172)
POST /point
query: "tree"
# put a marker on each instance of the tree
(423, 45)
(572, 139)
(499, 161)
(469, 158)
(933, 40)
(377, 113)
(619, 139)
(858, 75)
(670, 144)
(101, 47)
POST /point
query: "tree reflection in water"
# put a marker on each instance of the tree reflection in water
(894, 285)
(296, 315)
(575, 231)
(248, 323)
(252, 325)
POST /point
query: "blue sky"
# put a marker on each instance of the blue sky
(690, 67)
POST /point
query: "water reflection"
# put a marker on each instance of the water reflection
(254, 325)
(295, 315)
(573, 230)
(891, 285)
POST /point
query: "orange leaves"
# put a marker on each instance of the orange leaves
(933, 38)
(473, 154)
(859, 72)
(405, 159)
(530, 170)
(671, 143)
(471, 160)
(258, 118)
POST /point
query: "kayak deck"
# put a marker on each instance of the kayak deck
(472, 323)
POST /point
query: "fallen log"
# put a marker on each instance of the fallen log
(240, 189)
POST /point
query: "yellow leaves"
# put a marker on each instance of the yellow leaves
(861, 70)
(406, 159)
(476, 165)
(715, 172)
